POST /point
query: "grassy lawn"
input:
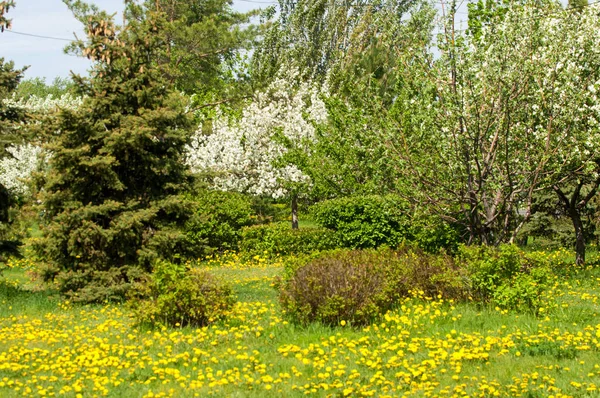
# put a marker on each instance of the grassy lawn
(427, 347)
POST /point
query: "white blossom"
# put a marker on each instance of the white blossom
(44, 105)
(17, 168)
(246, 155)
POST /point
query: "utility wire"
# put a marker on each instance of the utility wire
(39, 36)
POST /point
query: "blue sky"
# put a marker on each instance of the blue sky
(52, 18)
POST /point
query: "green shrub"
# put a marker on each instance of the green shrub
(280, 238)
(365, 221)
(372, 221)
(177, 296)
(217, 220)
(524, 291)
(89, 285)
(433, 234)
(507, 276)
(358, 286)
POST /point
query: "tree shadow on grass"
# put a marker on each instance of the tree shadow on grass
(15, 300)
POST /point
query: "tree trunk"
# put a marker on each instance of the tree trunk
(573, 208)
(294, 212)
(579, 237)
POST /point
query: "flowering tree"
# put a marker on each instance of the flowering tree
(44, 105)
(513, 110)
(249, 155)
(24, 158)
(569, 109)
(18, 167)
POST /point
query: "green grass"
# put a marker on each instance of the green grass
(307, 224)
(49, 346)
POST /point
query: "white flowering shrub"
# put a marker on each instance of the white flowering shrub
(16, 169)
(44, 105)
(23, 160)
(245, 155)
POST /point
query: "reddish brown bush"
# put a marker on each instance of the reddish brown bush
(358, 286)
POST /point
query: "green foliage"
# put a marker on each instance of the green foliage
(177, 296)
(524, 291)
(37, 87)
(346, 159)
(485, 13)
(432, 234)
(554, 349)
(205, 43)
(358, 286)
(374, 220)
(112, 193)
(365, 221)
(267, 210)
(507, 277)
(9, 132)
(578, 4)
(279, 238)
(217, 220)
(551, 226)
(317, 37)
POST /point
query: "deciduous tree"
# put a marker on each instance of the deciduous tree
(249, 155)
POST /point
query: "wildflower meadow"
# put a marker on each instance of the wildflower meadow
(426, 346)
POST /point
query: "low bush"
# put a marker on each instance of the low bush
(177, 296)
(507, 276)
(217, 220)
(358, 286)
(524, 291)
(280, 238)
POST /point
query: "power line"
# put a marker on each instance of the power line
(38, 36)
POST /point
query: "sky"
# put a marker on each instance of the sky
(45, 57)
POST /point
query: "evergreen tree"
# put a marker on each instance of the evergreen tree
(116, 170)
(204, 46)
(5, 6)
(9, 133)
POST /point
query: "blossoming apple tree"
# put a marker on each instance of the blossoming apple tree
(251, 154)
(24, 158)
(515, 110)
